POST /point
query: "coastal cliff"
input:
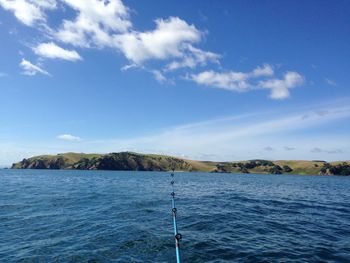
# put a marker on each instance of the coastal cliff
(129, 161)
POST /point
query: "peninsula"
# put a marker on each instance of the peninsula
(130, 161)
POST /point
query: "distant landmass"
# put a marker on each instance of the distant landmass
(130, 161)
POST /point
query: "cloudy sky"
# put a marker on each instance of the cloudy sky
(208, 80)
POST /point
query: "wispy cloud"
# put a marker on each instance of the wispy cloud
(159, 76)
(330, 151)
(331, 82)
(287, 148)
(334, 151)
(68, 137)
(51, 50)
(269, 148)
(316, 150)
(243, 137)
(237, 137)
(31, 69)
(322, 112)
(194, 58)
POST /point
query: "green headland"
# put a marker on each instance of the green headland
(130, 161)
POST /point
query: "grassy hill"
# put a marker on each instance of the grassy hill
(112, 161)
(130, 161)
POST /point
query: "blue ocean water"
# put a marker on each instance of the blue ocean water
(107, 216)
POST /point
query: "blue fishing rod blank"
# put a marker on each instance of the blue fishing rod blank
(177, 235)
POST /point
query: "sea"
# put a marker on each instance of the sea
(123, 216)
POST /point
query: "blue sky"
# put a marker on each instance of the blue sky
(213, 80)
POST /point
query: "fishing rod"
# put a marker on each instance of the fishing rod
(177, 235)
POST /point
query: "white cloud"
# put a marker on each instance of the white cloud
(193, 58)
(280, 87)
(170, 39)
(232, 80)
(30, 69)
(51, 50)
(28, 11)
(68, 137)
(95, 23)
(47, 4)
(240, 81)
(106, 24)
(262, 71)
(229, 80)
(99, 24)
(111, 14)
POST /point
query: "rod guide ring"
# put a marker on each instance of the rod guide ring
(178, 236)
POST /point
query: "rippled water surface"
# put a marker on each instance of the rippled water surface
(101, 216)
